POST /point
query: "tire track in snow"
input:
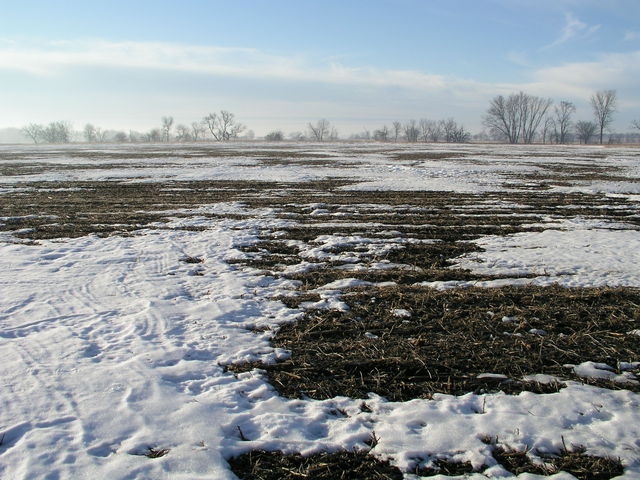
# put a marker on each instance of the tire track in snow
(52, 415)
(115, 333)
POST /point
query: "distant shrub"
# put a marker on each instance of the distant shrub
(274, 136)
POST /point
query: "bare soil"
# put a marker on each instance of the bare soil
(450, 338)
(361, 465)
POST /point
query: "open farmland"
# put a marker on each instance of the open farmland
(305, 310)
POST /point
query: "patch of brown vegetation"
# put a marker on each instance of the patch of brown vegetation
(451, 338)
(360, 465)
(445, 467)
(262, 465)
(73, 209)
(574, 461)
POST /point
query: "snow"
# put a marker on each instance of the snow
(574, 257)
(401, 313)
(110, 345)
(374, 167)
(113, 345)
(602, 371)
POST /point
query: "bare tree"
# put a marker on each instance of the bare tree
(321, 130)
(183, 133)
(449, 130)
(461, 135)
(33, 131)
(397, 129)
(430, 130)
(167, 123)
(533, 109)
(198, 130)
(425, 128)
(89, 133)
(223, 126)
(154, 135)
(120, 137)
(381, 134)
(585, 130)
(275, 136)
(603, 103)
(101, 135)
(297, 136)
(454, 133)
(249, 135)
(516, 117)
(333, 134)
(211, 121)
(562, 120)
(436, 131)
(548, 129)
(229, 127)
(57, 132)
(94, 134)
(635, 124)
(411, 131)
(502, 118)
(365, 134)
(135, 137)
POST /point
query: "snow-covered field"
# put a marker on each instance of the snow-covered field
(114, 345)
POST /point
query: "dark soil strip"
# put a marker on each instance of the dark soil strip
(576, 462)
(261, 465)
(451, 338)
(73, 209)
(445, 467)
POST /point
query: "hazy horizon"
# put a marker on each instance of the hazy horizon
(282, 64)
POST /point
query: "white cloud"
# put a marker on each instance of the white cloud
(55, 57)
(630, 36)
(361, 91)
(573, 29)
(613, 70)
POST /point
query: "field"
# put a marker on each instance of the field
(287, 311)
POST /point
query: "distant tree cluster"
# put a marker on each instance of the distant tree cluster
(518, 117)
(604, 106)
(423, 130)
(322, 130)
(55, 132)
(218, 126)
(221, 126)
(94, 134)
(585, 131)
(274, 136)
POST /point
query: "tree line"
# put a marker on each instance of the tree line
(516, 118)
(218, 126)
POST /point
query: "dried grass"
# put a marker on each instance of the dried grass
(262, 465)
(451, 338)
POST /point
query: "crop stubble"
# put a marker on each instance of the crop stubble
(451, 336)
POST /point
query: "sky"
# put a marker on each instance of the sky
(279, 64)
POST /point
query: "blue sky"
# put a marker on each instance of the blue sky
(279, 64)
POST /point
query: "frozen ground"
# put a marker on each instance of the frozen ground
(114, 346)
